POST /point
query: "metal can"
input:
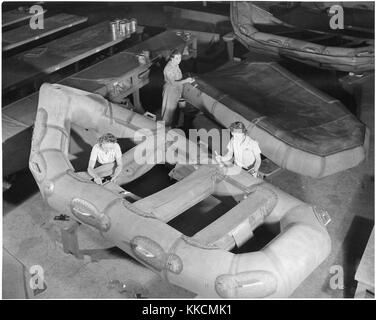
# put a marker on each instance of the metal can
(128, 26)
(123, 27)
(113, 29)
(117, 21)
(133, 25)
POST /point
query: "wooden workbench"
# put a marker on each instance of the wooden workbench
(121, 75)
(46, 59)
(162, 45)
(122, 68)
(22, 35)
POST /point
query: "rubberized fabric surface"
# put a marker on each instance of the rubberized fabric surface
(285, 106)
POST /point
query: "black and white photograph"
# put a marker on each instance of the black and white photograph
(187, 150)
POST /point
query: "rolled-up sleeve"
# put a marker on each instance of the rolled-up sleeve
(256, 147)
(118, 153)
(93, 155)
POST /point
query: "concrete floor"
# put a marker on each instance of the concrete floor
(32, 237)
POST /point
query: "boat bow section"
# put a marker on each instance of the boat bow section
(297, 126)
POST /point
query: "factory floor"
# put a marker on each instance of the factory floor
(31, 236)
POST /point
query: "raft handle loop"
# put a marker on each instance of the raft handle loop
(311, 49)
(257, 120)
(78, 211)
(36, 167)
(274, 42)
(144, 252)
(251, 284)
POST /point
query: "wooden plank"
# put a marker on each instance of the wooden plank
(22, 35)
(113, 69)
(16, 282)
(11, 127)
(57, 54)
(365, 274)
(16, 139)
(23, 110)
(14, 16)
(187, 11)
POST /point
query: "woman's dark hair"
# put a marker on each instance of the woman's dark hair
(238, 126)
(107, 138)
(174, 53)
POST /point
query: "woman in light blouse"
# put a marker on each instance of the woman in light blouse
(107, 150)
(173, 87)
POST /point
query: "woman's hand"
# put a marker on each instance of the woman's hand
(254, 173)
(218, 158)
(98, 180)
(189, 80)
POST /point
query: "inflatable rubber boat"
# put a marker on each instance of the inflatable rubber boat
(297, 126)
(203, 263)
(257, 28)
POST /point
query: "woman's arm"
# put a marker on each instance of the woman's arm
(230, 153)
(93, 174)
(119, 162)
(118, 169)
(258, 161)
(170, 76)
(90, 168)
(186, 80)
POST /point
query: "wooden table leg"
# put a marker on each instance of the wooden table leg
(194, 47)
(137, 102)
(70, 240)
(229, 39)
(139, 32)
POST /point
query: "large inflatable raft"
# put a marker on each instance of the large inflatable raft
(297, 126)
(202, 263)
(258, 29)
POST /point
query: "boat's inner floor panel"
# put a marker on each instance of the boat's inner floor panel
(321, 126)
